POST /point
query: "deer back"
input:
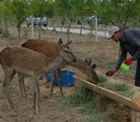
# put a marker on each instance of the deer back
(49, 49)
(22, 60)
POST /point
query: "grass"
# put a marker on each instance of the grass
(120, 88)
(82, 97)
(83, 101)
(104, 116)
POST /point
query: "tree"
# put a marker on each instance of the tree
(39, 8)
(84, 8)
(5, 8)
(65, 8)
(123, 13)
(79, 10)
(20, 11)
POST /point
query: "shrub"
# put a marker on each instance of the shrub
(78, 22)
(5, 33)
(0, 30)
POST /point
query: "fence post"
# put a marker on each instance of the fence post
(32, 27)
(95, 26)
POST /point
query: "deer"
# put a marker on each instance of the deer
(50, 49)
(28, 62)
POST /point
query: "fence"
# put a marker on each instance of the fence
(61, 24)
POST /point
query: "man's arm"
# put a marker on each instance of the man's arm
(122, 56)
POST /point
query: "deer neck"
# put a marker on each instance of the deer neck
(80, 65)
(53, 63)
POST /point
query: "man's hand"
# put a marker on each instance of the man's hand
(128, 61)
(110, 73)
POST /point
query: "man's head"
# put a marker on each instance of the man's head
(114, 33)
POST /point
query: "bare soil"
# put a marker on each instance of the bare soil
(103, 53)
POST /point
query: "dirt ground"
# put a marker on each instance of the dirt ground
(103, 53)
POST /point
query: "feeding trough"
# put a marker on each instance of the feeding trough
(133, 102)
(67, 78)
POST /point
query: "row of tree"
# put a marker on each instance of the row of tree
(123, 13)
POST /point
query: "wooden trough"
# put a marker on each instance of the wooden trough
(133, 103)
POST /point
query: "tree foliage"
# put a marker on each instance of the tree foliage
(123, 13)
(41, 7)
(5, 8)
(20, 10)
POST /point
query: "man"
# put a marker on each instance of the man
(129, 42)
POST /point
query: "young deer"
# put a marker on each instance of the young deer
(50, 49)
(29, 62)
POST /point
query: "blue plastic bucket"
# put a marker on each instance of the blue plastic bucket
(67, 78)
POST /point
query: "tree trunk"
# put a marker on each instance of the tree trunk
(19, 33)
(69, 30)
(81, 28)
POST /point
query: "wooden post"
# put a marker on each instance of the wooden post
(135, 116)
(102, 102)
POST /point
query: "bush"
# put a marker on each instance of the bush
(5, 33)
(78, 22)
(0, 30)
(92, 25)
(62, 22)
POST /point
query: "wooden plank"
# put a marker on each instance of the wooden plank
(133, 103)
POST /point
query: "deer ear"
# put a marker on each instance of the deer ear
(88, 61)
(60, 42)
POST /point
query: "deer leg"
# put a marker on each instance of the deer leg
(52, 82)
(9, 73)
(36, 94)
(21, 85)
(60, 81)
(34, 97)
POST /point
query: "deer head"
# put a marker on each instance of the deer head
(66, 52)
(91, 72)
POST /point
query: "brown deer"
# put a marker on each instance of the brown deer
(50, 49)
(32, 63)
